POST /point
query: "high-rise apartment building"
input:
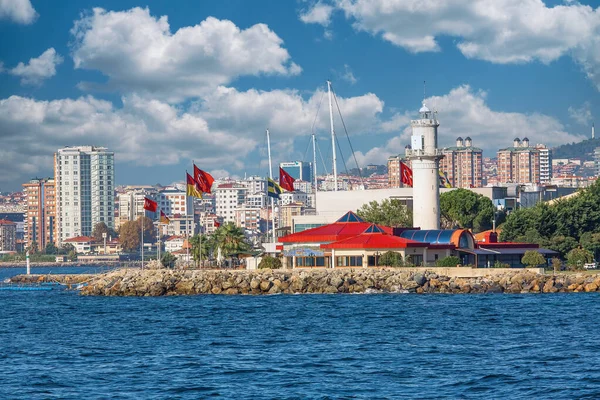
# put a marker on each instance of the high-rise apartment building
(545, 163)
(8, 235)
(131, 204)
(228, 197)
(40, 224)
(297, 169)
(84, 177)
(463, 164)
(519, 164)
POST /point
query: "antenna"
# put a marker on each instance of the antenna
(423, 91)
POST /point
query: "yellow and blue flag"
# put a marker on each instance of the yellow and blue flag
(273, 188)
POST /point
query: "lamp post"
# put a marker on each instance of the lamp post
(104, 237)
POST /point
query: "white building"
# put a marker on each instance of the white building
(258, 200)
(255, 184)
(545, 163)
(84, 178)
(228, 197)
(174, 202)
(293, 197)
(303, 186)
(131, 203)
(247, 217)
(174, 243)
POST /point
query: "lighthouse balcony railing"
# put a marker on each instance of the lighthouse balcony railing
(429, 152)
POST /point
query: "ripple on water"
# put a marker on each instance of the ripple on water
(59, 345)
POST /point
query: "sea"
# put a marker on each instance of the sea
(59, 345)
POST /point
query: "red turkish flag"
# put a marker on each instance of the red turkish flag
(406, 174)
(150, 205)
(285, 180)
(203, 179)
(217, 223)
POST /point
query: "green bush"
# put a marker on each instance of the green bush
(499, 264)
(390, 259)
(269, 262)
(168, 260)
(576, 258)
(450, 261)
(532, 258)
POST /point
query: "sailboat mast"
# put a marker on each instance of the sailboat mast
(314, 143)
(271, 176)
(332, 137)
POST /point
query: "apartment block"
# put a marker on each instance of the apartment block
(519, 164)
(84, 177)
(40, 225)
(463, 164)
(8, 236)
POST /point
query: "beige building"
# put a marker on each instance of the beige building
(40, 213)
(394, 179)
(8, 236)
(289, 211)
(463, 164)
(519, 164)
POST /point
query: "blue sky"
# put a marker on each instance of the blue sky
(164, 83)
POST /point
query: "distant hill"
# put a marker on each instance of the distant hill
(583, 150)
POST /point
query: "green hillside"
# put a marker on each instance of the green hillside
(583, 150)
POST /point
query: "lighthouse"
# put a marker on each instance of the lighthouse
(425, 160)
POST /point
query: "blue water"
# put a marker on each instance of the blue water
(60, 345)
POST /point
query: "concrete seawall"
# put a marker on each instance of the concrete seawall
(135, 282)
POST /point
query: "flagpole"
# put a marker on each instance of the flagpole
(187, 229)
(158, 233)
(315, 168)
(142, 235)
(271, 177)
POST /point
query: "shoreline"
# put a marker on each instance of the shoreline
(164, 282)
(41, 264)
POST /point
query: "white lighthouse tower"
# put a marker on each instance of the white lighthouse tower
(425, 160)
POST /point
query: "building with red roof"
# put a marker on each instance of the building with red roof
(351, 242)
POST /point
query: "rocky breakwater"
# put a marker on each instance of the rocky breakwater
(134, 282)
(67, 279)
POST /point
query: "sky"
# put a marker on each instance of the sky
(164, 84)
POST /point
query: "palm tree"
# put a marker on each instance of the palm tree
(230, 239)
(197, 253)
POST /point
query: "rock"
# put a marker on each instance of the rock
(591, 287)
(216, 290)
(549, 285)
(231, 291)
(420, 279)
(266, 285)
(254, 283)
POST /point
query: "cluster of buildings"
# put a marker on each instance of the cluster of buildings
(464, 166)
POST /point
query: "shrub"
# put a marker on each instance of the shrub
(576, 258)
(390, 259)
(499, 264)
(269, 262)
(450, 261)
(168, 260)
(532, 258)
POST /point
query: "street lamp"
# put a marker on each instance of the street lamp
(104, 237)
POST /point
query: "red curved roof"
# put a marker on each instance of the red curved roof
(330, 233)
(374, 240)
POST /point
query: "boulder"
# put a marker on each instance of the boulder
(266, 285)
(420, 279)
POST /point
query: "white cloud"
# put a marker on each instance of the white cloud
(582, 115)
(348, 75)
(222, 130)
(499, 31)
(463, 112)
(19, 11)
(319, 13)
(38, 69)
(139, 53)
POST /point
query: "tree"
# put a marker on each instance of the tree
(101, 228)
(532, 258)
(51, 249)
(562, 244)
(197, 251)
(230, 239)
(32, 248)
(591, 242)
(390, 212)
(129, 235)
(390, 259)
(66, 248)
(168, 260)
(450, 261)
(72, 256)
(556, 264)
(149, 230)
(576, 258)
(465, 209)
(269, 262)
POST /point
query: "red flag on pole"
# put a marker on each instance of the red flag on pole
(285, 180)
(406, 175)
(150, 205)
(203, 179)
(217, 223)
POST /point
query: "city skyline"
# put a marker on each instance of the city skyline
(83, 75)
